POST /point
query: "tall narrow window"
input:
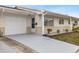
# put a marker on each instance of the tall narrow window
(46, 23)
(76, 22)
(51, 23)
(68, 21)
(33, 22)
(61, 21)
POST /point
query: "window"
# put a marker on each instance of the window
(61, 21)
(51, 23)
(68, 21)
(46, 23)
(76, 22)
(33, 22)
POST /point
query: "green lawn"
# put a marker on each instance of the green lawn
(72, 38)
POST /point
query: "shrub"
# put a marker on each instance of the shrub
(58, 31)
(66, 30)
(76, 29)
(49, 30)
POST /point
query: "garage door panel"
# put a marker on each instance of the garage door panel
(15, 24)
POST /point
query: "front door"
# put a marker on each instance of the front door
(33, 25)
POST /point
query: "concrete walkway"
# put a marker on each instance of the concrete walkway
(44, 44)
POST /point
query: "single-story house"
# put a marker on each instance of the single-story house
(19, 20)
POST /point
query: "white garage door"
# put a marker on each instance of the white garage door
(15, 24)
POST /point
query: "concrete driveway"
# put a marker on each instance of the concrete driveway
(6, 49)
(44, 44)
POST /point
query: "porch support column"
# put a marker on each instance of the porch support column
(42, 24)
(71, 24)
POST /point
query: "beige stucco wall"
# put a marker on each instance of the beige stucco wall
(28, 24)
(57, 26)
(76, 25)
(56, 22)
(1, 21)
(4, 21)
(2, 28)
(78, 22)
(38, 27)
(62, 26)
(38, 20)
(54, 29)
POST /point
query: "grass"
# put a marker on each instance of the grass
(72, 38)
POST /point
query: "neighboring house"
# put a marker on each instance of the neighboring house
(19, 20)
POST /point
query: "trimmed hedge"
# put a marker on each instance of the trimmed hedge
(76, 29)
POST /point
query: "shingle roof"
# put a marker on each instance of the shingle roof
(48, 12)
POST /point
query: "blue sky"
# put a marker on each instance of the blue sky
(72, 10)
